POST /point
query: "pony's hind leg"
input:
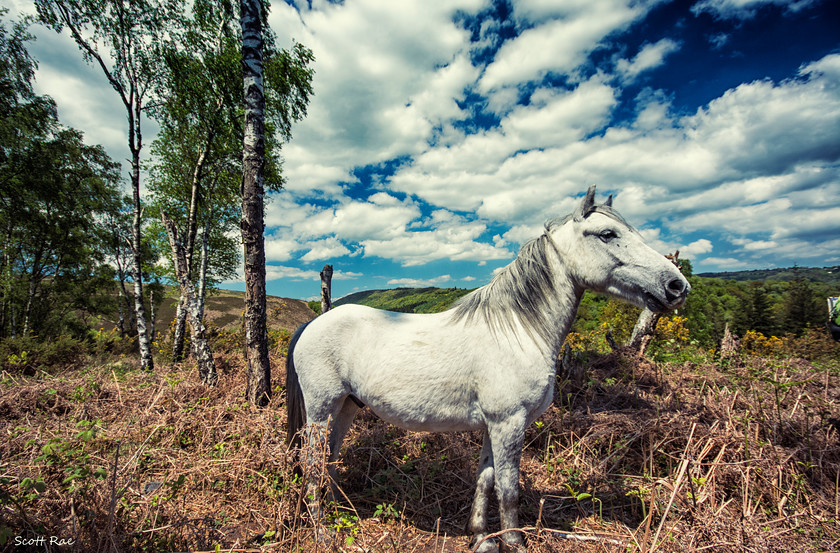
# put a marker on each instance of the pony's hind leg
(477, 524)
(315, 452)
(322, 448)
(340, 425)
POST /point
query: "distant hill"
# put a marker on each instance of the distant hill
(825, 275)
(224, 309)
(406, 300)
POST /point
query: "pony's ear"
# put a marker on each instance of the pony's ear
(586, 205)
(608, 203)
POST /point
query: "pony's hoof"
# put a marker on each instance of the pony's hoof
(324, 535)
(487, 546)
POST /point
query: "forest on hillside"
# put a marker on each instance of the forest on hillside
(773, 307)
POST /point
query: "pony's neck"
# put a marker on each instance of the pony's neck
(562, 307)
(534, 299)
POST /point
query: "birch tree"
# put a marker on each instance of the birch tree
(258, 390)
(293, 88)
(122, 38)
(197, 156)
(203, 352)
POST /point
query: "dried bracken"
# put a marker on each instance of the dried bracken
(640, 456)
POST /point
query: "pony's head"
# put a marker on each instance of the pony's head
(605, 254)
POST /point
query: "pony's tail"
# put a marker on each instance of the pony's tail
(295, 408)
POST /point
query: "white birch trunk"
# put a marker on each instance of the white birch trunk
(253, 160)
(201, 346)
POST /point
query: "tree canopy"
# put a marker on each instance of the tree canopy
(56, 194)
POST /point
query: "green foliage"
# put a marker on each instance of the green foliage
(26, 354)
(197, 166)
(56, 191)
(819, 275)
(71, 457)
(386, 512)
(407, 300)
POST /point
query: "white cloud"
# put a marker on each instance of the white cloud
(455, 243)
(755, 245)
(559, 45)
(697, 247)
(506, 173)
(649, 57)
(728, 263)
(746, 9)
(419, 283)
(388, 74)
(324, 250)
(279, 272)
(359, 220)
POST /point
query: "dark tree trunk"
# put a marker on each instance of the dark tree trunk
(326, 288)
(180, 330)
(253, 189)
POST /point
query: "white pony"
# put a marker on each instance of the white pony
(487, 364)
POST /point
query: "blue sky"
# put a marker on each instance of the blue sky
(444, 134)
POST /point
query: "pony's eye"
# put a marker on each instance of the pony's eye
(607, 235)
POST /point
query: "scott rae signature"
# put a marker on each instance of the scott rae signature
(42, 541)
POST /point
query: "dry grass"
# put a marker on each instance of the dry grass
(644, 457)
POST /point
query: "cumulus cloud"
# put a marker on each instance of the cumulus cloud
(455, 242)
(560, 44)
(649, 57)
(324, 250)
(697, 247)
(388, 74)
(746, 9)
(418, 282)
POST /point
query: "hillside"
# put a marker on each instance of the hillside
(406, 300)
(224, 309)
(825, 275)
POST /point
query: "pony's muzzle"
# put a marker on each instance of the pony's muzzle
(676, 292)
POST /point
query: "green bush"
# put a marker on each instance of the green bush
(25, 354)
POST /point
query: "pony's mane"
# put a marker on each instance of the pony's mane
(518, 293)
(521, 291)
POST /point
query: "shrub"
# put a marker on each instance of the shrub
(813, 344)
(26, 354)
(758, 345)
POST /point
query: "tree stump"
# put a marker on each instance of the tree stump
(326, 288)
(728, 345)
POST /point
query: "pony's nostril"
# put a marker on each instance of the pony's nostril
(676, 288)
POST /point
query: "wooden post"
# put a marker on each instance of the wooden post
(728, 345)
(326, 288)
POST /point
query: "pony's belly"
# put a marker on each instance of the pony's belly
(432, 408)
(425, 422)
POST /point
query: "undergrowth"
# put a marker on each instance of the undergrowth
(683, 453)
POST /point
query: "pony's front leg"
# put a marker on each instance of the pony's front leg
(477, 524)
(507, 439)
